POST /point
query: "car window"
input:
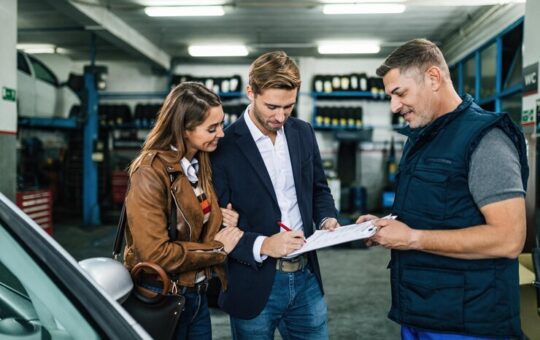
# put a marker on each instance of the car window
(22, 65)
(32, 306)
(42, 72)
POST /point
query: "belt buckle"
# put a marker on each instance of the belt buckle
(294, 259)
(297, 262)
(280, 265)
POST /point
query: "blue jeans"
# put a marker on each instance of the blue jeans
(295, 305)
(195, 319)
(410, 333)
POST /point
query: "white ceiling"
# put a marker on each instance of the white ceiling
(294, 26)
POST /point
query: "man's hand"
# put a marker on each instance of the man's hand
(230, 216)
(330, 224)
(365, 218)
(283, 243)
(393, 234)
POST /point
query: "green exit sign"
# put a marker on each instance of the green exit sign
(9, 94)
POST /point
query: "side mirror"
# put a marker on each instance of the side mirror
(110, 275)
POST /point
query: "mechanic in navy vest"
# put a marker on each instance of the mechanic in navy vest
(460, 205)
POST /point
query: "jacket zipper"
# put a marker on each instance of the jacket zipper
(181, 212)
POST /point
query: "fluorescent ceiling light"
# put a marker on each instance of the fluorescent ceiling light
(40, 48)
(185, 11)
(365, 1)
(154, 3)
(456, 3)
(349, 47)
(218, 50)
(363, 8)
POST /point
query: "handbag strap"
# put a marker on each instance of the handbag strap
(119, 238)
(163, 277)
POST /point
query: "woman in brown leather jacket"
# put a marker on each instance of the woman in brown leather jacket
(172, 173)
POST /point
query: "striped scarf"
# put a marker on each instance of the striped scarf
(191, 169)
(203, 200)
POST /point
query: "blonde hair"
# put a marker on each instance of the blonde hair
(184, 108)
(273, 70)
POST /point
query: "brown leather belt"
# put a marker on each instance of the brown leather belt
(292, 265)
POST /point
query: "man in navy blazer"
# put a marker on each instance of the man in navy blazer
(268, 166)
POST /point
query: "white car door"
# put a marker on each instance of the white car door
(45, 294)
(66, 100)
(46, 89)
(26, 87)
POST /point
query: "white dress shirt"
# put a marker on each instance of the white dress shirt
(278, 165)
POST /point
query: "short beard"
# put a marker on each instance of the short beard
(261, 122)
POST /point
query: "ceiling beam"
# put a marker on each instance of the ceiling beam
(111, 28)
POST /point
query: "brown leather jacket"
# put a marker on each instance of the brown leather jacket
(148, 205)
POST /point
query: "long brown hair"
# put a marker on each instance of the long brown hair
(184, 108)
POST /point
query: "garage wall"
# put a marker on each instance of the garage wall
(8, 106)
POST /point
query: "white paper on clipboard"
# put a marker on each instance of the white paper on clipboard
(324, 238)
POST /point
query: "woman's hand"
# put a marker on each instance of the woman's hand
(230, 216)
(229, 236)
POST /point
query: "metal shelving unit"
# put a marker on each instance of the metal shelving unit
(337, 96)
(54, 123)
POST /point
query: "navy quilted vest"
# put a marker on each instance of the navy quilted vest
(474, 297)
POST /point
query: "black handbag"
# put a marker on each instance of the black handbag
(158, 313)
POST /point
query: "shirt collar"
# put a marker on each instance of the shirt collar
(191, 169)
(187, 166)
(194, 163)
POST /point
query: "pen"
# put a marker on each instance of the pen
(284, 227)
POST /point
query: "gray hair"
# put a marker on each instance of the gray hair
(414, 54)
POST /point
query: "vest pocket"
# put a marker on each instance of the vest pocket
(427, 193)
(432, 298)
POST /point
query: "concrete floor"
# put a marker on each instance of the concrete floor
(356, 283)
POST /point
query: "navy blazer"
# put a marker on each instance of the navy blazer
(240, 178)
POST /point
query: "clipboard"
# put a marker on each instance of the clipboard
(324, 238)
